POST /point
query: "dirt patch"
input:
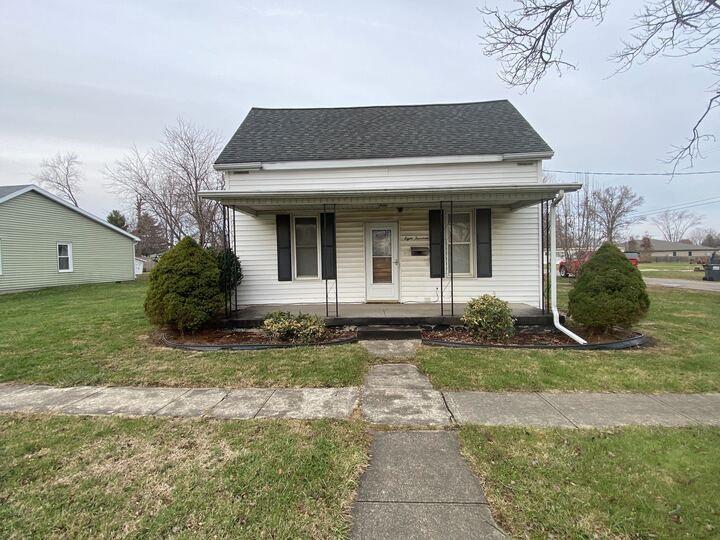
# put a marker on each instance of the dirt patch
(530, 336)
(253, 336)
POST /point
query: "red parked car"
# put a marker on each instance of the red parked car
(570, 267)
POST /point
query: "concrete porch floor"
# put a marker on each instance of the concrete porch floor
(391, 314)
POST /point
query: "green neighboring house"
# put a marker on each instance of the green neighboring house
(46, 241)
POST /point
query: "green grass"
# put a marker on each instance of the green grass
(628, 483)
(110, 477)
(671, 270)
(685, 359)
(98, 334)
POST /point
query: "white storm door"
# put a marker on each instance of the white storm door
(381, 261)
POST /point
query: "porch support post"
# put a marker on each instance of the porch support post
(234, 236)
(542, 255)
(452, 272)
(337, 303)
(322, 258)
(442, 270)
(225, 246)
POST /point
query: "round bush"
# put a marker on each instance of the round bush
(285, 326)
(489, 318)
(608, 292)
(184, 289)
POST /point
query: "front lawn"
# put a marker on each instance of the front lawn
(98, 334)
(685, 359)
(69, 477)
(671, 270)
(627, 483)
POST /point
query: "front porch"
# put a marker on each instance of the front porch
(380, 314)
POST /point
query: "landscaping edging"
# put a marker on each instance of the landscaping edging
(634, 341)
(203, 347)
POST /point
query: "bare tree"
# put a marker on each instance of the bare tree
(61, 174)
(615, 208)
(576, 226)
(165, 183)
(674, 224)
(705, 236)
(526, 40)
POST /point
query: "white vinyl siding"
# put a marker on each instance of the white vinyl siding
(405, 176)
(515, 256)
(32, 225)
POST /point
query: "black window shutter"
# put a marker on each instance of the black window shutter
(437, 244)
(483, 234)
(284, 247)
(327, 245)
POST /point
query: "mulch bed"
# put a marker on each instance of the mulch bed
(252, 336)
(529, 336)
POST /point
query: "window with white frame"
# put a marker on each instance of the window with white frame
(459, 228)
(64, 257)
(306, 246)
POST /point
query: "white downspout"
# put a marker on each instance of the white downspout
(553, 273)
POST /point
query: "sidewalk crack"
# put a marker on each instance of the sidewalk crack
(265, 403)
(557, 409)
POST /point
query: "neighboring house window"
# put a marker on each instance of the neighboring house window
(306, 247)
(674, 253)
(689, 253)
(462, 237)
(64, 256)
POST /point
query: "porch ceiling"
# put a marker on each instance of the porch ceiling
(508, 196)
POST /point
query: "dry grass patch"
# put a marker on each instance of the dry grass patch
(115, 477)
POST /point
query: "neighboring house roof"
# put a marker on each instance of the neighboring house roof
(453, 129)
(10, 192)
(664, 245)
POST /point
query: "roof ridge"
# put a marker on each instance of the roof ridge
(406, 105)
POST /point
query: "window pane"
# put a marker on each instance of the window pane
(64, 263)
(63, 250)
(307, 263)
(460, 227)
(382, 243)
(461, 259)
(306, 232)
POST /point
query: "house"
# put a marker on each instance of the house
(387, 209)
(46, 241)
(663, 250)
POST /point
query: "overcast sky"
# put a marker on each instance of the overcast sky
(97, 77)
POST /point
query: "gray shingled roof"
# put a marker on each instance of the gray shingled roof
(7, 190)
(456, 129)
(664, 245)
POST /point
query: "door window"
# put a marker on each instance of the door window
(382, 249)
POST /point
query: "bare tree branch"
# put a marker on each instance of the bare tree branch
(61, 174)
(674, 224)
(614, 209)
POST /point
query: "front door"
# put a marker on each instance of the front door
(381, 262)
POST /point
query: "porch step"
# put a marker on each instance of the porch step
(378, 331)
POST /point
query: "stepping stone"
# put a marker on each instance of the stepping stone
(404, 406)
(503, 409)
(418, 486)
(396, 376)
(310, 403)
(125, 401)
(42, 398)
(395, 348)
(705, 408)
(194, 403)
(241, 404)
(607, 410)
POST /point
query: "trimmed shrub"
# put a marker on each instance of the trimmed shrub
(608, 292)
(285, 326)
(183, 291)
(230, 270)
(489, 318)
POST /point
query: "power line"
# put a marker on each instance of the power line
(685, 206)
(606, 173)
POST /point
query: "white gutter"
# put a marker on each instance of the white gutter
(553, 273)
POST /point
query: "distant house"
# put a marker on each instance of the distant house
(45, 241)
(678, 251)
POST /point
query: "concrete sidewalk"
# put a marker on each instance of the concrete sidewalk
(418, 486)
(300, 403)
(394, 394)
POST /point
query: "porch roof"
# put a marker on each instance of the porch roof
(500, 195)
